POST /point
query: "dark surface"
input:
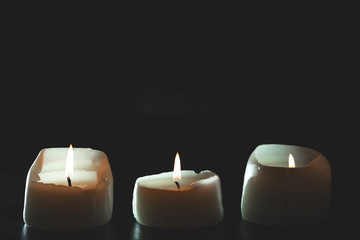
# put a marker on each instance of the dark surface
(211, 88)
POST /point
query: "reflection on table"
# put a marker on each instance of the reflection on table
(103, 232)
(140, 232)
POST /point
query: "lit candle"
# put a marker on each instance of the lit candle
(178, 199)
(68, 189)
(286, 185)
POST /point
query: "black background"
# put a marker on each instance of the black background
(211, 86)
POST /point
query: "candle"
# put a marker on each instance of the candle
(286, 185)
(68, 189)
(179, 199)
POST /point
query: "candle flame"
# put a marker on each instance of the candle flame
(291, 161)
(177, 168)
(69, 169)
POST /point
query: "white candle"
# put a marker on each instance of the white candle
(51, 204)
(286, 185)
(195, 202)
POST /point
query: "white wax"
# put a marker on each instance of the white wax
(274, 194)
(82, 178)
(51, 204)
(157, 202)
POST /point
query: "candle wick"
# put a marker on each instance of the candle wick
(69, 181)
(177, 185)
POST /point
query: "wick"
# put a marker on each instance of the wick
(177, 184)
(69, 181)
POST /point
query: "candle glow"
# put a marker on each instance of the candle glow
(177, 168)
(291, 161)
(69, 169)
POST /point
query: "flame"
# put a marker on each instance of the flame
(291, 161)
(177, 168)
(69, 169)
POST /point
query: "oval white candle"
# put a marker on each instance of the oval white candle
(276, 194)
(51, 204)
(158, 202)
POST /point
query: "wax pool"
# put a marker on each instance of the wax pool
(158, 202)
(275, 193)
(51, 204)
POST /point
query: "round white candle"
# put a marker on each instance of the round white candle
(276, 193)
(51, 204)
(158, 202)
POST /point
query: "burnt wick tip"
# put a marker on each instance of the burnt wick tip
(177, 184)
(69, 181)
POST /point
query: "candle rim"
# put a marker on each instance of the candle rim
(299, 164)
(208, 177)
(99, 164)
(98, 157)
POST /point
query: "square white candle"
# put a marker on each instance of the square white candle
(178, 200)
(284, 189)
(51, 204)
